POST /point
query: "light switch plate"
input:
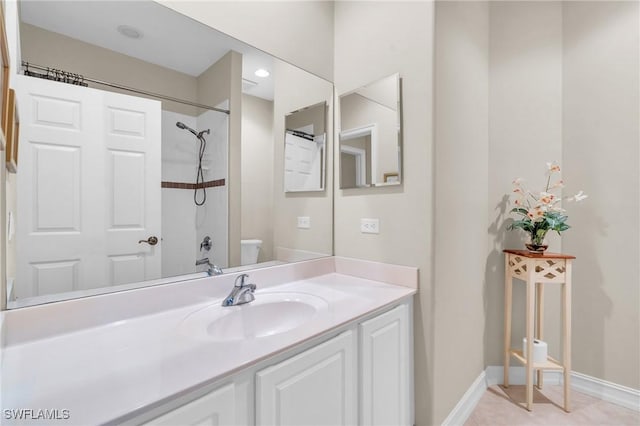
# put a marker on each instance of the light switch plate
(304, 222)
(369, 226)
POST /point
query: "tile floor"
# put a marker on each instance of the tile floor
(500, 406)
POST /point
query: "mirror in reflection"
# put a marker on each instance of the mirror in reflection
(305, 149)
(370, 136)
(118, 187)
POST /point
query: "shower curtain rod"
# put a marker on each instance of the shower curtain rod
(301, 134)
(65, 74)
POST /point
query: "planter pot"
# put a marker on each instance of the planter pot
(537, 243)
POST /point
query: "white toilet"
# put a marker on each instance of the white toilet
(249, 251)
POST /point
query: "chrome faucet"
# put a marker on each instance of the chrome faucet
(213, 269)
(241, 293)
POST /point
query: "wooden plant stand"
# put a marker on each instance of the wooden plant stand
(536, 270)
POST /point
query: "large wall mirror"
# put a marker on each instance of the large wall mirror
(371, 135)
(118, 188)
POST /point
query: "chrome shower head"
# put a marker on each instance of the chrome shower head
(183, 126)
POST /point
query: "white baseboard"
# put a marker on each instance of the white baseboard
(468, 402)
(494, 374)
(607, 391)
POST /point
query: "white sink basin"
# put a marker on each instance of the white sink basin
(270, 314)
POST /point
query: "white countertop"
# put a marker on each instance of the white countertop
(104, 372)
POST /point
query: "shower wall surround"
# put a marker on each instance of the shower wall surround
(212, 218)
(184, 225)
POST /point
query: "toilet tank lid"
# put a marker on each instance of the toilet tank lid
(250, 241)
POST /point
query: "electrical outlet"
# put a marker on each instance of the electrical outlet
(304, 222)
(369, 226)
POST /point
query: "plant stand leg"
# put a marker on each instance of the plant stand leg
(529, 331)
(539, 323)
(508, 286)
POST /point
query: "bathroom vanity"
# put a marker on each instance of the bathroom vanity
(327, 341)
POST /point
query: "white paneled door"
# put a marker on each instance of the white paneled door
(88, 188)
(302, 163)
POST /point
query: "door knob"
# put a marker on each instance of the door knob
(152, 241)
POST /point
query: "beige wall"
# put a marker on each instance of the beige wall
(288, 206)
(601, 152)
(212, 86)
(405, 211)
(257, 173)
(299, 32)
(564, 80)
(525, 132)
(461, 198)
(56, 50)
(347, 170)
(316, 116)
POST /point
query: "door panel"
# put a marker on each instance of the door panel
(127, 190)
(56, 188)
(55, 112)
(55, 277)
(126, 122)
(126, 268)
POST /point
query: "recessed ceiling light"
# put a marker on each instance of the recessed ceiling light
(129, 31)
(262, 73)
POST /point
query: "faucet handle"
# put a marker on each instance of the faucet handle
(242, 278)
(246, 295)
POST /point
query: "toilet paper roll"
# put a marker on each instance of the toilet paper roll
(540, 350)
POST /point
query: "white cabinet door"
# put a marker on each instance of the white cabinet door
(316, 387)
(227, 405)
(385, 368)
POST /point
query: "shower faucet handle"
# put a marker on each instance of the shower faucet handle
(206, 243)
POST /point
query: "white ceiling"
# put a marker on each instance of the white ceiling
(169, 39)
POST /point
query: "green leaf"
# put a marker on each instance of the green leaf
(522, 224)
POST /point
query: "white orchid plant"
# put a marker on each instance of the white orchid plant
(540, 212)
